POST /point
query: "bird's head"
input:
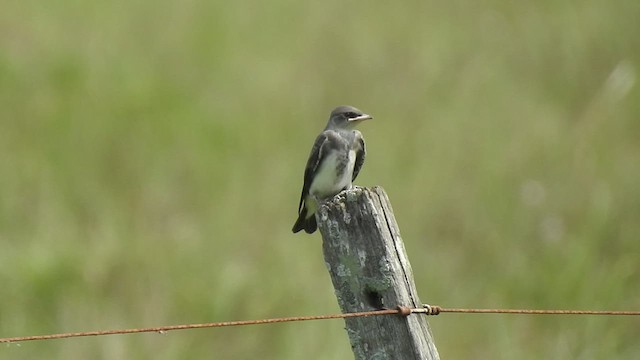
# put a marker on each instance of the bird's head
(346, 117)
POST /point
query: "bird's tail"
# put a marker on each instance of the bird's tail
(308, 224)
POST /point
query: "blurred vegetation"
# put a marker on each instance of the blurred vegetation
(151, 158)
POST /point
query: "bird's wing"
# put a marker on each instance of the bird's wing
(360, 154)
(315, 159)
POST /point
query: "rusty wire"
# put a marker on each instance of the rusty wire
(401, 310)
(435, 310)
(163, 329)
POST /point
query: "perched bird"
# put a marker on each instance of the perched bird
(335, 161)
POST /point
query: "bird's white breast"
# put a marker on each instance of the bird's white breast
(331, 178)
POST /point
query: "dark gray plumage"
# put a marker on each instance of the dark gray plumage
(336, 158)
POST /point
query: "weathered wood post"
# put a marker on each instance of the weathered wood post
(370, 271)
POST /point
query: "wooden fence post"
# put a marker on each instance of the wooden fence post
(370, 271)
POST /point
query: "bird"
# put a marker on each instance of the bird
(335, 161)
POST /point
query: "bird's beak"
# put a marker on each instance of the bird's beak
(361, 117)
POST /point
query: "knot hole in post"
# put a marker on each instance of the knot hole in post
(373, 298)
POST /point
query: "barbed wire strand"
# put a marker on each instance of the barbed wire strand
(401, 310)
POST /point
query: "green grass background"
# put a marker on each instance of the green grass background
(151, 158)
